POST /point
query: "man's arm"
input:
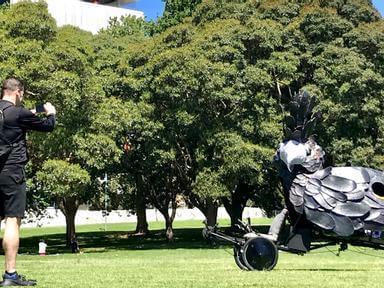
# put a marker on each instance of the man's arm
(29, 121)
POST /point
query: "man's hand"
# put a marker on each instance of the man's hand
(49, 109)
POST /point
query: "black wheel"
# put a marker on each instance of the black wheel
(238, 255)
(260, 254)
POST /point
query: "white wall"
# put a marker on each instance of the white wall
(87, 16)
(54, 217)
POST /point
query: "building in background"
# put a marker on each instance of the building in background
(87, 16)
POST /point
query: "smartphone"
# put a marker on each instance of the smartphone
(40, 108)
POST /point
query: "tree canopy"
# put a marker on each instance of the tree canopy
(189, 105)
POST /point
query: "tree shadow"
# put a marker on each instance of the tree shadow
(103, 241)
(326, 269)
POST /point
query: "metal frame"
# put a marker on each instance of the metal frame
(239, 242)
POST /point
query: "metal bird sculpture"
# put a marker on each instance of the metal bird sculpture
(338, 200)
(343, 205)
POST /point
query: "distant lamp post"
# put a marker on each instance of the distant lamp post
(105, 211)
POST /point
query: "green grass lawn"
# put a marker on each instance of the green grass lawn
(114, 258)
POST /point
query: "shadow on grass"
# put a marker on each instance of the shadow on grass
(103, 241)
(327, 269)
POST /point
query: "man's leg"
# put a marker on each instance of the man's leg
(13, 189)
(11, 242)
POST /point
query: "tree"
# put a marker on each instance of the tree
(67, 183)
(57, 67)
(189, 106)
(237, 175)
(118, 127)
(194, 104)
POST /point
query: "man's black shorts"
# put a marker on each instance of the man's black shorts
(12, 191)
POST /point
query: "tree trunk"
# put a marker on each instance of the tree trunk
(169, 221)
(142, 224)
(169, 230)
(208, 207)
(211, 214)
(236, 204)
(71, 230)
(237, 208)
(69, 208)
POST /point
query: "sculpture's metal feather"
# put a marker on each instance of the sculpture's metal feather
(310, 203)
(338, 183)
(343, 225)
(372, 204)
(356, 174)
(320, 199)
(321, 219)
(321, 174)
(339, 196)
(352, 209)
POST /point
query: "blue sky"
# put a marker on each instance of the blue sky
(379, 4)
(151, 8)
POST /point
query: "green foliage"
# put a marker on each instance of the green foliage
(5, 4)
(322, 26)
(62, 179)
(208, 184)
(367, 39)
(129, 27)
(353, 108)
(235, 159)
(175, 12)
(210, 10)
(357, 11)
(31, 22)
(177, 8)
(116, 116)
(72, 50)
(97, 151)
(282, 13)
(262, 38)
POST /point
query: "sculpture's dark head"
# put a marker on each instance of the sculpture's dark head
(307, 157)
(299, 149)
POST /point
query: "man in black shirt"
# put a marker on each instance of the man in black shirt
(16, 122)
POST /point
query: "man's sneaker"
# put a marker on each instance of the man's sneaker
(17, 280)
